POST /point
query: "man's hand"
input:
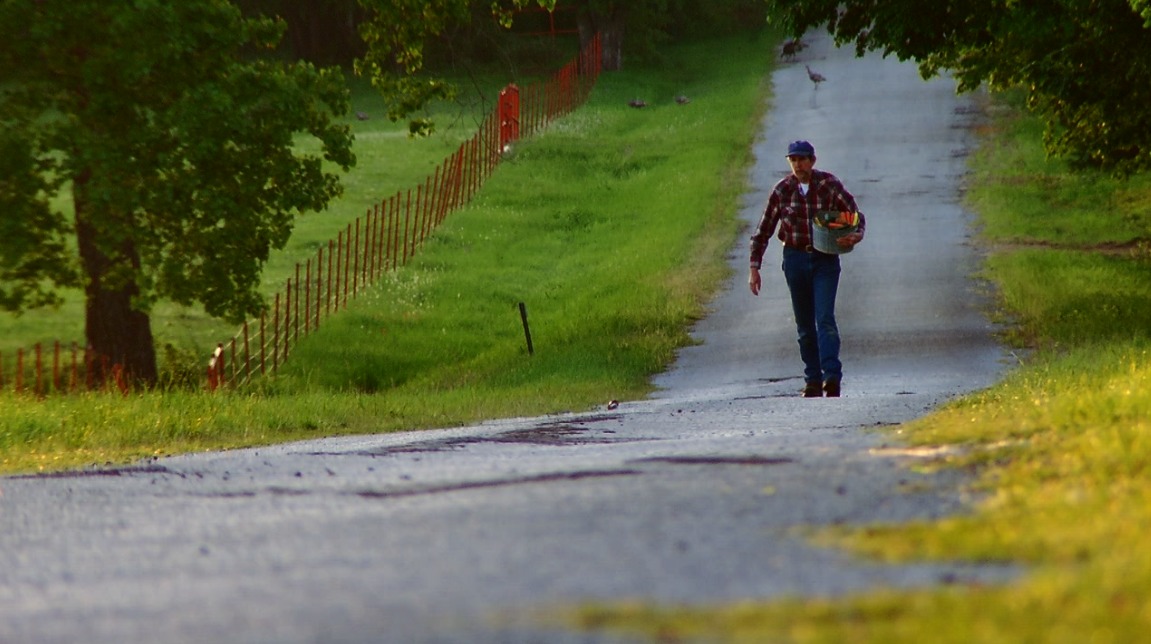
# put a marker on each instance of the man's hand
(753, 281)
(848, 241)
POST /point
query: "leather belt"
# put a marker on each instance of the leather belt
(807, 249)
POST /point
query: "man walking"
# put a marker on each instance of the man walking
(812, 275)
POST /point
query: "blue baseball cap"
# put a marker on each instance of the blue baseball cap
(800, 149)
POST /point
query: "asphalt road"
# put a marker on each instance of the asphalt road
(698, 494)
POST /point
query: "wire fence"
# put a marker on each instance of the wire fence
(382, 240)
(59, 369)
(391, 231)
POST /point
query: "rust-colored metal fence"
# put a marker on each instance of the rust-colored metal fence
(382, 240)
(392, 230)
(58, 368)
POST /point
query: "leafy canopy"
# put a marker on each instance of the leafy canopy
(397, 33)
(1085, 64)
(175, 138)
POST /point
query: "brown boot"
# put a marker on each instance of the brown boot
(812, 390)
(831, 388)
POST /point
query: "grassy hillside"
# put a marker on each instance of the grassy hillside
(388, 161)
(611, 227)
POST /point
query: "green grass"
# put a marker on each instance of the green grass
(596, 226)
(1061, 448)
(1026, 198)
(611, 227)
(388, 161)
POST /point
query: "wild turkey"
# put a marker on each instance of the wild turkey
(363, 116)
(682, 100)
(637, 102)
(791, 47)
(816, 77)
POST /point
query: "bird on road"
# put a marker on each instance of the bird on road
(816, 77)
(791, 47)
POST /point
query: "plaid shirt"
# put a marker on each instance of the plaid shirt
(791, 211)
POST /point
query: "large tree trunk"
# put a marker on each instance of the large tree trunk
(610, 27)
(118, 335)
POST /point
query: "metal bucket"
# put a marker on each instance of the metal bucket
(823, 238)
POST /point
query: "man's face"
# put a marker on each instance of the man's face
(801, 166)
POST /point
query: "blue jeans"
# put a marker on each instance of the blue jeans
(813, 279)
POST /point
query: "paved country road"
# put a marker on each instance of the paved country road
(694, 495)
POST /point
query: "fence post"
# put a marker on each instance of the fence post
(509, 106)
(424, 211)
(457, 178)
(433, 197)
(232, 349)
(347, 261)
(276, 334)
(319, 286)
(339, 265)
(263, 343)
(296, 311)
(287, 316)
(247, 354)
(355, 254)
(381, 239)
(407, 216)
(307, 295)
(72, 385)
(328, 292)
(56, 366)
(215, 364)
(39, 370)
(369, 248)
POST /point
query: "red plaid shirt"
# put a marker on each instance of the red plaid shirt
(791, 211)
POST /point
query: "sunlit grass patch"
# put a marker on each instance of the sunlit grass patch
(1070, 298)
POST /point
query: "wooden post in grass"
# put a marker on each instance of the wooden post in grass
(354, 254)
(39, 370)
(216, 368)
(276, 334)
(527, 331)
(56, 366)
(347, 261)
(296, 311)
(73, 384)
(247, 353)
(328, 291)
(339, 270)
(307, 295)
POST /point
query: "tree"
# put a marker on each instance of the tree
(609, 19)
(174, 139)
(1085, 64)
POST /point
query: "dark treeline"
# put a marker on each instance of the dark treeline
(326, 32)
